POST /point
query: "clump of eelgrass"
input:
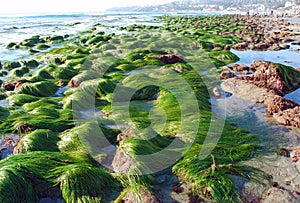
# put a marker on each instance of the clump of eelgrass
(29, 176)
(4, 113)
(38, 140)
(39, 89)
(20, 99)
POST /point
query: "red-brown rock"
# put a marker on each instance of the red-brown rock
(279, 104)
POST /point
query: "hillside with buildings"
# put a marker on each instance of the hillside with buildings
(252, 6)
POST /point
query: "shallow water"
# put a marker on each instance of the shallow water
(253, 118)
(295, 96)
(4, 103)
(287, 57)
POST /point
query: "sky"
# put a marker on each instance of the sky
(58, 6)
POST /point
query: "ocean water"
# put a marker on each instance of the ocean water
(16, 28)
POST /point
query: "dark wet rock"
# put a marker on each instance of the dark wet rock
(170, 59)
(56, 38)
(279, 103)
(33, 51)
(62, 83)
(11, 65)
(3, 73)
(283, 152)
(19, 72)
(178, 189)
(11, 45)
(10, 85)
(196, 199)
(226, 74)
(227, 47)
(31, 63)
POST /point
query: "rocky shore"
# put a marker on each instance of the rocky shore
(64, 95)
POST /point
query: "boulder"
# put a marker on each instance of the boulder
(289, 117)
(170, 59)
(279, 103)
(142, 195)
(226, 74)
(240, 69)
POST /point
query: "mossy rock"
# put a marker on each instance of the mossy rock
(30, 176)
(206, 45)
(33, 51)
(56, 38)
(83, 76)
(126, 67)
(20, 99)
(65, 73)
(38, 140)
(76, 62)
(19, 72)
(75, 56)
(82, 100)
(39, 89)
(15, 186)
(96, 40)
(20, 122)
(3, 73)
(84, 51)
(224, 56)
(31, 63)
(87, 138)
(4, 113)
(146, 93)
(42, 46)
(41, 75)
(290, 76)
(11, 45)
(116, 76)
(11, 65)
(43, 102)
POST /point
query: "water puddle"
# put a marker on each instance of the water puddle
(286, 57)
(7, 144)
(295, 96)
(60, 92)
(4, 103)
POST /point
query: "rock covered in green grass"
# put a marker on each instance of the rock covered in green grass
(4, 113)
(30, 176)
(42, 46)
(11, 65)
(11, 45)
(31, 63)
(39, 89)
(20, 99)
(38, 140)
(19, 72)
